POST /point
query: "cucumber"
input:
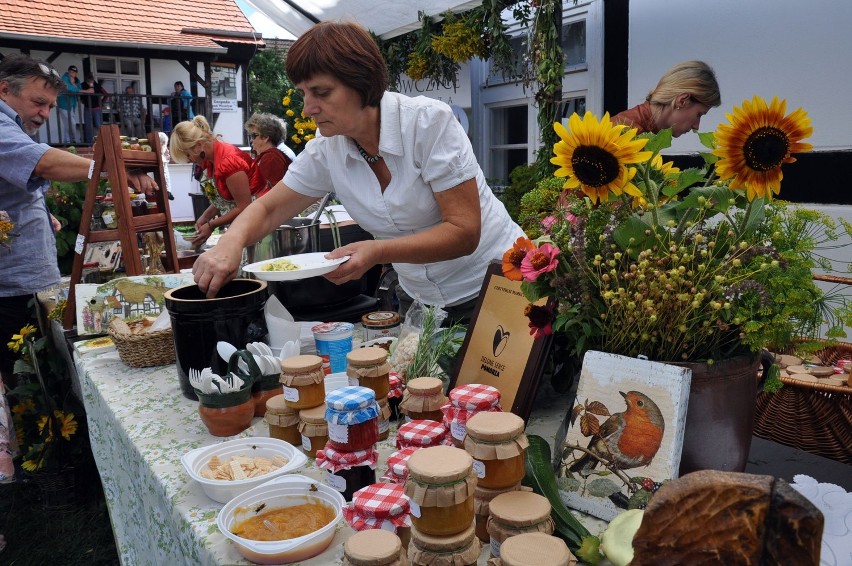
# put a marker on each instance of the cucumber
(540, 477)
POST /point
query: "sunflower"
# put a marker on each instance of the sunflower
(18, 339)
(594, 156)
(663, 174)
(513, 257)
(758, 140)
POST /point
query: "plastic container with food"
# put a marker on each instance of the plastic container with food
(222, 490)
(282, 492)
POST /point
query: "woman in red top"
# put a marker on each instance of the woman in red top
(265, 132)
(232, 178)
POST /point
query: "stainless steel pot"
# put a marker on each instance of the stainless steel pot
(296, 236)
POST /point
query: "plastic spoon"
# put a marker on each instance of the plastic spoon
(225, 350)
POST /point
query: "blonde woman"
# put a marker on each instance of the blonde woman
(684, 94)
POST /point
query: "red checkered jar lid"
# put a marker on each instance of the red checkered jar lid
(421, 433)
(396, 386)
(333, 460)
(398, 464)
(380, 505)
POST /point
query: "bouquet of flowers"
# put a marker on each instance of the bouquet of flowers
(301, 129)
(6, 227)
(689, 265)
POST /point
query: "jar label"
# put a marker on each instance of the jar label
(335, 482)
(458, 430)
(354, 382)
(291, 394)
(384, 426)
(306, 443)
(479, 468)
(108, 218)
(414, 508)
(495, 548)
(338, 432)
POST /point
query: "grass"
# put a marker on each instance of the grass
(69, 527)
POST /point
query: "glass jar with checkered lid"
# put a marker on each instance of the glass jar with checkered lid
(353, 418)
(466, 401)
(347, 472)
(380, 506)
(397, 470)
(421, 434)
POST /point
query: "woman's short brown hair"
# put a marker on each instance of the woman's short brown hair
(344, 50)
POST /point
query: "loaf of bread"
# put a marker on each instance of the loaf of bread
(721, 518)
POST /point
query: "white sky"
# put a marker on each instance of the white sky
(263, 24)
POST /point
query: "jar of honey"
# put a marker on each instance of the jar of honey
(497, 443)
(535, 549)
(440, 483)
(369, 367)
(303, 377)
(373, 548)
(313, 429)
(397, 471)
(421, 434)
(283, 420)
(460, 549)
(380, 506)
(423, 399)
(481, 501)
(353, 418)
(384, 419)
(347, 472)
(517, 512)
(396, 389)
(466, 401)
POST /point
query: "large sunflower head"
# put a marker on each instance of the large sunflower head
(594, 156)
(758, 140)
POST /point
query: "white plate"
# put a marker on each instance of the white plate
(309, 265)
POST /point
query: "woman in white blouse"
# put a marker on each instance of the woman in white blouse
(402, 167)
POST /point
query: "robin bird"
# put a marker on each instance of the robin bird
(629, 439)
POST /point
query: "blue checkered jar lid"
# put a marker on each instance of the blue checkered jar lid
(351, 405)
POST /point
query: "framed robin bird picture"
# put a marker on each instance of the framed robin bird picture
(623, 434)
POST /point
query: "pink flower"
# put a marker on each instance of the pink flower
(548, 223)
(539, 260)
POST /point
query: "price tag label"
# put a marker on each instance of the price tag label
(353, 382)
(414, 508)
(338, 432)
(306, 443)
(78, 245)
(479, 468)
(335, 482)
(291, 394)
(384, 426)
(458, 430)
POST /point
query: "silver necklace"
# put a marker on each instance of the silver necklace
(371, 159)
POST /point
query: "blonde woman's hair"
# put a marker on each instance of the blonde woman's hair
(188, 133)
(693, 77)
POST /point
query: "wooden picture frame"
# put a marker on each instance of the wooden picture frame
(498, 349)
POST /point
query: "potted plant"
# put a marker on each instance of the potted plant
(700, 266)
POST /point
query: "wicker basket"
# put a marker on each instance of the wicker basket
(814, 417)
(145, 350)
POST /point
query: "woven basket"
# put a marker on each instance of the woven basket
(145, 350)
(813, 417)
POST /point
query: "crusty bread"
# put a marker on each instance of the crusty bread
(723, 518)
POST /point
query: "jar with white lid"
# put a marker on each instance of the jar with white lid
(517, 512)
(498, 445)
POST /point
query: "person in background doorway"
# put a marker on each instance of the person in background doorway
(92, 116)
(265, 132)
(132, 114)
(66, 107)
(682, 96)
(180, 105)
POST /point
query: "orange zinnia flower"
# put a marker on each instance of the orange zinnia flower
(514, 256)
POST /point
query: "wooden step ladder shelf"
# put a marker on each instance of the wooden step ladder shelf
(115, 162)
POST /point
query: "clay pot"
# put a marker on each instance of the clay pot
(227, 421)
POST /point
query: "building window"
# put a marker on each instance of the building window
(519, 50)
(573, 43)
(572, 105)
(509, 145)
(116, 74)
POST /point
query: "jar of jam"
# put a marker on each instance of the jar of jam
(421, 434)
(440, 483)
(462, 548)
(380, 506)
(395, 392)
(539, 549)
(380, 324)
(373, 548)
(369, 367)
(313, 429)
(466, 401)
(398, 465)
(497, 443)
(481, 501)
(517, 512)
(303, 377)
(423, 399)
(384, 419)
(353, 418)
(347, 472)
(283, 420)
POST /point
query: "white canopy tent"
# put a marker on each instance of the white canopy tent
(385, 18)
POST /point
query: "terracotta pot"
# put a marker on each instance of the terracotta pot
(720, 414)
(227, 421)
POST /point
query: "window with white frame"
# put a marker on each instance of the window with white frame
(509, 140)
(573, 43)
(117, 73)
(571, 105)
